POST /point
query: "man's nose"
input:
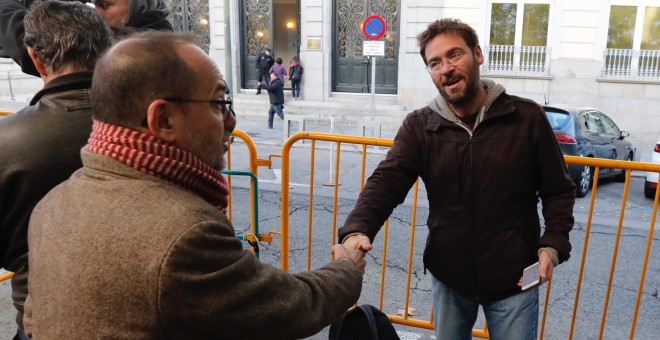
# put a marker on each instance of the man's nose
(230, 123)
(446, 68)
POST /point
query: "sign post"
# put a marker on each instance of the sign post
(374, 28)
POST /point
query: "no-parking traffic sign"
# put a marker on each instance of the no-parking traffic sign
(373, 27)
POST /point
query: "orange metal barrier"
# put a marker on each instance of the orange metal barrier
(6, 276)
(413, 252)
(254, 163)
(597, 164)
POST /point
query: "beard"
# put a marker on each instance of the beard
(210, 152)
(459, 97)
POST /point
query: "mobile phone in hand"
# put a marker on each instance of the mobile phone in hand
(531, 276)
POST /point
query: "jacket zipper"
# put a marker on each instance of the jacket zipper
(471, 203)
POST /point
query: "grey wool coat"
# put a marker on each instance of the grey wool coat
(116, 253)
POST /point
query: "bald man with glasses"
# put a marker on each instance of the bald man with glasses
(136, 244)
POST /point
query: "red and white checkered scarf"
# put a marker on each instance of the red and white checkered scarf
(149, 154)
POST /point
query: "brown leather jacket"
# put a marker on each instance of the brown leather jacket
(483, 189)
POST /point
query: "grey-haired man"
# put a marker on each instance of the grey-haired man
(41, 143)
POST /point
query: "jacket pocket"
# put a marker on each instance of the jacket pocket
(427, 252)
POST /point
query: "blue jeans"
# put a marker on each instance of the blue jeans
(512, 318)
(20, 335)
(295, 87)
(274, 108)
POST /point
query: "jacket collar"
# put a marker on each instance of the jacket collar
(446, 117)
(67, 82)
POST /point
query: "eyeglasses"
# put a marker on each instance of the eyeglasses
(453, 60)
(225, 106)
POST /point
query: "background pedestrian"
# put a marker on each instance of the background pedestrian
(279, 70)
(276, 92)
(263, 63)
(295, 76)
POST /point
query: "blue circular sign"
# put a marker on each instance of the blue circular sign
(373, 27)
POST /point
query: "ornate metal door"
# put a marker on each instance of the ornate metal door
(191, 16)
(257, 29)
(352, 71)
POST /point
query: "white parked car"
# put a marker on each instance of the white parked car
(651, 183)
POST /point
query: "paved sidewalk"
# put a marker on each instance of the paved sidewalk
(261, 134)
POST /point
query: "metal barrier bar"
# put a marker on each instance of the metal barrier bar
(255, 207)
(584, 252)
(311, 204)
(615, 253)
(647, 252)
(254, 163)
(628, 166)
(6, 276)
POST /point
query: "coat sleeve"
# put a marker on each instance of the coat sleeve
(389, 184)
(212, 288)
(272, 87)
(556, 191)
(12, 32)
(267, 87)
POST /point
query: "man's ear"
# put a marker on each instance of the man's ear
(37, 63)
(160, 120)
(479, 55)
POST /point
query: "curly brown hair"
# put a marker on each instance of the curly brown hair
(445, 26)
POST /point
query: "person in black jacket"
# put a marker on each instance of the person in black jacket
(487, 159)
(123, 16)
(264, 61)
(295, 76)
(276, 93)
(41, 143)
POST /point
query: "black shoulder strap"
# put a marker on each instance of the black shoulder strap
(335, 328)
(371, 319)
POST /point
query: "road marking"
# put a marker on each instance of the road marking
(278, 179)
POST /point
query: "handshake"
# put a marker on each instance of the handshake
(353, 248)
(355, 256)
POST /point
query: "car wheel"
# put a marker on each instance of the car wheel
(621, 177)
(583, 183)
(649, 191)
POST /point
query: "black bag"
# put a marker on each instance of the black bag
(365, 322)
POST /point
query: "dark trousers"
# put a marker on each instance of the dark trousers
(262, 74)
(20, 335)
(274, 108)
(295, 87)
